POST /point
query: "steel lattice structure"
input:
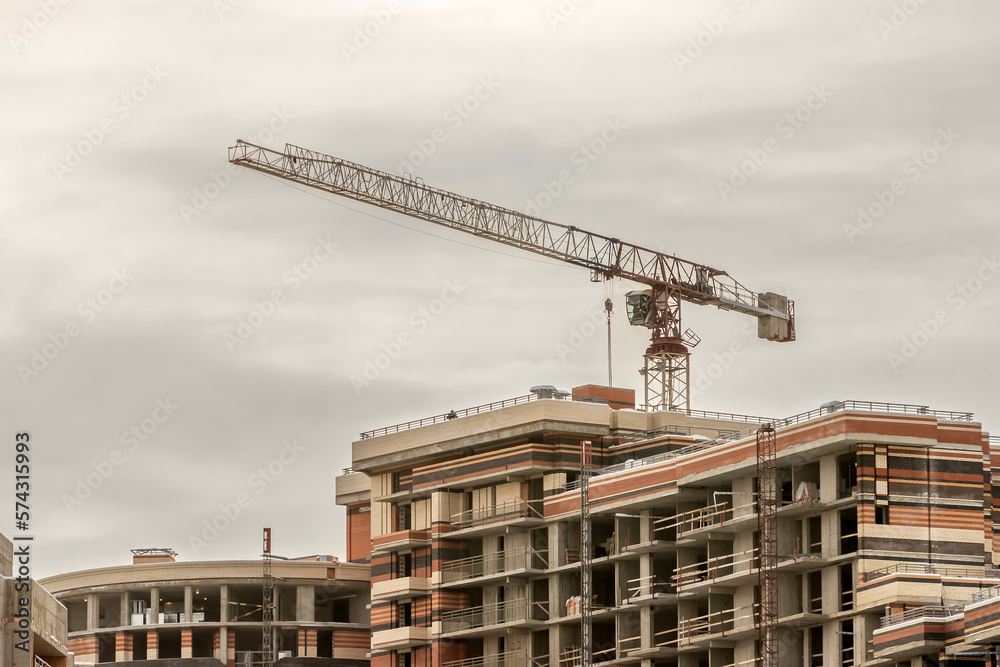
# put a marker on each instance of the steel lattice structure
(586, 558)
(267, 638)
(767, 546)
(672, 279)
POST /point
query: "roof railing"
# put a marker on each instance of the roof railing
(826, 409)
(930, 611)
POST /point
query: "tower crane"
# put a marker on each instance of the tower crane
(668, 280)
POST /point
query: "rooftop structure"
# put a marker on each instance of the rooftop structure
(471, 521)
(36, 638)
(160, 611)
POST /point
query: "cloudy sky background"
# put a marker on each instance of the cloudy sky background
(884, 85)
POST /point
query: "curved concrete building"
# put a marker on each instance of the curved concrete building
(158, 612)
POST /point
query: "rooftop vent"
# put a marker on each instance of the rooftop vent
(832, 406)
(548, 391)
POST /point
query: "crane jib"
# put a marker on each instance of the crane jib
(695, 283)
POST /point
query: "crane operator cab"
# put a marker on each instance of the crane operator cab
(639, 308)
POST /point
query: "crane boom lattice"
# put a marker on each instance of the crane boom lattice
(671, 280)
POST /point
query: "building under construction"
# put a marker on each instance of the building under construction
(882, 516)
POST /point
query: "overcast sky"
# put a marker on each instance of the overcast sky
(749, 135)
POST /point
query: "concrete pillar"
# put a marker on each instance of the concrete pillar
(831, 643)
(306, 643)
(742, 498)
(828, 478)
(93, 611)
(186, 651)
(647, 640)
(831, 534)
(305, 604)
(154, 607)
(124, 613)
(224, 604)
(231, 650)
(557, 544)
(188, 603)
(123, 647)
(152, 643)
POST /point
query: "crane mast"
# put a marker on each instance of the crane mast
(670, 280)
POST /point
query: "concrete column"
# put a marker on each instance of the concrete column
(154, 607)
(186, 651)
(307, 643)
(831, 643)
(188, 603)
(557, 544)
(305, 604)
(152, 642)
(93, 611)
(123, 647)
(231, 650)
(828, 478)
(831, 534)
(224, 604)
(124, 613)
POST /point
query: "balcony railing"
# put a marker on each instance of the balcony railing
(41, 663)
(715, 568)
(509, 611)
(930, 568)
(740, 618)
(920, 612)
(509, 659)
(986, 594)
(448, 416)
(648, 586)
(505, 511)
(489, 564)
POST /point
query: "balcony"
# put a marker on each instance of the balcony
(401, 539)
(398, 589)
(398, 638)
(497, 518)
(488, 566)
(716, 520)
(917, 631)
(649, 591)
(664, 646)
(507, 613)
(731, 624)
(728, 570)
(509, 659)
